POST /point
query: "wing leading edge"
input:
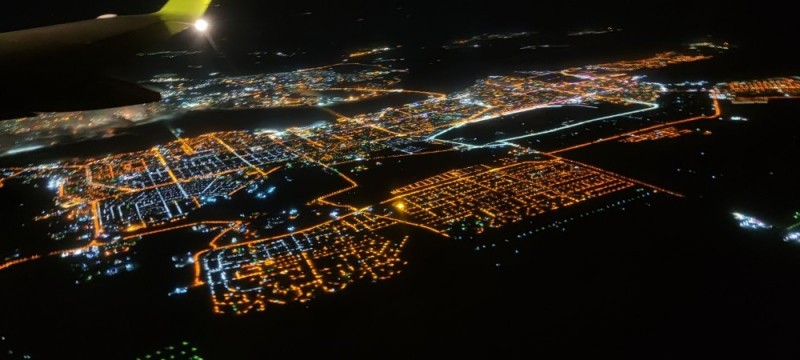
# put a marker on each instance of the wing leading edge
(38, 65)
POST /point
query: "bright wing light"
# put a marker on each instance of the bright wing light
(201, 25)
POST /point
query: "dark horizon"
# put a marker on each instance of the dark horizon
(765, 22)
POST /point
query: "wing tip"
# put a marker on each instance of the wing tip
(193, 9)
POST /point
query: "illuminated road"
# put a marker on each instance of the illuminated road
(477, 119)
(233, 151)
(581, 123)
(717, 114)
(377, 90)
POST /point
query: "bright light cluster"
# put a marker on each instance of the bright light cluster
(749, 222)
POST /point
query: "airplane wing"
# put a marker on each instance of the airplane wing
(59, 67)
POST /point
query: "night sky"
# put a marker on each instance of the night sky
(421, 19)
(330, 28)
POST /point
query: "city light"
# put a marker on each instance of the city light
(325, 243)
(487, 197)
(749, 222)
